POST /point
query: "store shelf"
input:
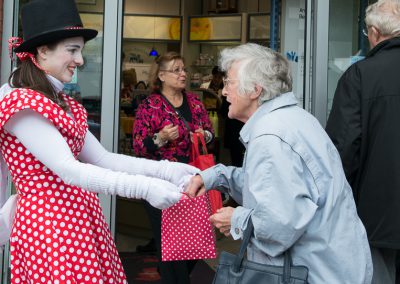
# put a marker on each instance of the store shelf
(202, 66)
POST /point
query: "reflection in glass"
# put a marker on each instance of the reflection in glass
(215, 28)
(344, 46)
(259, 27)
(151, 28)
(87, 87)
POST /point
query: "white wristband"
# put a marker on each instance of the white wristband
(158, 141)
(207, 136)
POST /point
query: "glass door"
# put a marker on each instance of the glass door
(347, 43)
(148, 30)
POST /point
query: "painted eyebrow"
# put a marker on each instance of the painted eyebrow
(73, 45)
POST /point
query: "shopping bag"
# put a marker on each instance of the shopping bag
(186, 231)
(204, 161)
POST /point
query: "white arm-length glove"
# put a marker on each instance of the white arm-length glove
(45, 142)
(159, 193)
(94, 153)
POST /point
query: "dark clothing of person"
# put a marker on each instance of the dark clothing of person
(231, 135)
(216, 86)
(364, 126)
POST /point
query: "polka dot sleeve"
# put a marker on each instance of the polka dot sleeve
(21, 99)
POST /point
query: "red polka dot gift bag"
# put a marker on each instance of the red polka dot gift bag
(186, 232)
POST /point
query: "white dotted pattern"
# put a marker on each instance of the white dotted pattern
(186, 232)
(59, 233)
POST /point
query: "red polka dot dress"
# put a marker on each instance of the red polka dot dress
(59, 233)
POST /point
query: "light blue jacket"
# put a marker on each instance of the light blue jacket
(293, 186)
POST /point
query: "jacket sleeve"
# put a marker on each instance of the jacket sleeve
(143, 144)
(344, 122)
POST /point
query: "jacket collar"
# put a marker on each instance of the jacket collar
(283, 100)
(386, 44)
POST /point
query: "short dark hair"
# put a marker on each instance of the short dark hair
(216, 70)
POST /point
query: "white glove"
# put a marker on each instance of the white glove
(159, 193)
(175, 172)
(185, 180)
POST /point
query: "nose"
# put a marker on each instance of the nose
(79, 59)
(224, 92)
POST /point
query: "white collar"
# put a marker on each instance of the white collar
(57, 84)
(4, 90)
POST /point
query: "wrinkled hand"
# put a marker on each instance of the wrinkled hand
(162, 194)
(169, 132)
(222, 220)
(175, 172)
(195, 186)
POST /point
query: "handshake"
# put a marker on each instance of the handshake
(192, 185)
(172, 181)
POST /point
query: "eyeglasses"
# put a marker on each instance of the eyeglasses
(365, 31)
(177, 71)
(228, 81)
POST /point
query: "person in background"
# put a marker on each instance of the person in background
(128, 100)
(363, 125)
(215, 83)
(231, 126)
(163, 129)
(231, 135)
(291, 185)
(59, 233)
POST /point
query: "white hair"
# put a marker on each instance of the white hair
(385, 16)
(258, 65)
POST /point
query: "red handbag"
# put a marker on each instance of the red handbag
(202, 162)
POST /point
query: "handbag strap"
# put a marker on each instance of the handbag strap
(177, 113)
(195, 147)
(243, 248)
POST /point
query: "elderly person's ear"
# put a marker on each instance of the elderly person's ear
(257, 92)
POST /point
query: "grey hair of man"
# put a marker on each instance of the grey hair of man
(258, 65)
(385, 16)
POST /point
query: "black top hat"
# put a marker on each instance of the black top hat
(47, 21)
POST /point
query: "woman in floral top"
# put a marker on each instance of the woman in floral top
(163, 129)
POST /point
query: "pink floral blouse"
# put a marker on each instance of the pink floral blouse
(153, 114)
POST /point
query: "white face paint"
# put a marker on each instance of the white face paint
(62, 61)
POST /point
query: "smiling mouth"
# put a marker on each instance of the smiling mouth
(72, 70)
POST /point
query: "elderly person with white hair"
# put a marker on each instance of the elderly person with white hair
(291, 185)
(364, 126)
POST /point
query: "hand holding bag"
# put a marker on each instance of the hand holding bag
(234, 269)
(202, 162)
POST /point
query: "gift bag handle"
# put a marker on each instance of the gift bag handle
(195, 148)
(243, 247)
